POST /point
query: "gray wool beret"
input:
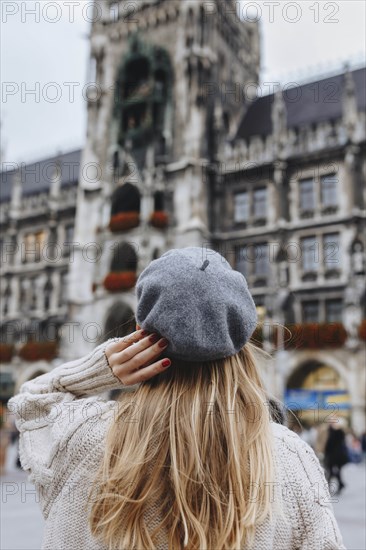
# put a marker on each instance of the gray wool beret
(193, 298)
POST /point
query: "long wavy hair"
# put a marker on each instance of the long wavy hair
(200, 454)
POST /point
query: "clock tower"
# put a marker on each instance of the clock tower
(165, 91)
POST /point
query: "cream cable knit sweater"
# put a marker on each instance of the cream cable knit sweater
(63, 423)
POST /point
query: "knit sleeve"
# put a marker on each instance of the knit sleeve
(50, 408)
(320, 530)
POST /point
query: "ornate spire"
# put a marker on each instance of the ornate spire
(349, 103)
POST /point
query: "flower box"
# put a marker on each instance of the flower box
(35, 351)
(123, 221)
(6, 352)
(312, 336)
(362, 330)
(123, 280)
(159, 219)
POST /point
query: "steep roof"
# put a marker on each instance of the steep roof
(37, 176)
(309, 103)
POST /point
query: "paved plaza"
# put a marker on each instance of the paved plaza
(22, 522)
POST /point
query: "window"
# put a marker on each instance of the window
(47, 293)
(329, 196)
(68, 240)
(69, 233)
(310, 312)
(261, 263)
(113, 11)
(260, 203)
(309, 254)
(29, 248)
(63, 290)
(333, 310)
(307, 202)
(33, 294)
(241, 261)
(40, 238)
(159, 201)
(331, 251)
(33, 246)
(241, 207)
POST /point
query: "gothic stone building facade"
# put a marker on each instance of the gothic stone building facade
(178, 153)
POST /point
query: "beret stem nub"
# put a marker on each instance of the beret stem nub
(204, 265)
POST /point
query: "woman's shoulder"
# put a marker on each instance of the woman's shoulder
(285, 436)
(297, 460)
(290, 444)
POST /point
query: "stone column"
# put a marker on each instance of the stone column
(39, 284)
(14, 297)
(55, 281)
(281, 193)
(357, 393)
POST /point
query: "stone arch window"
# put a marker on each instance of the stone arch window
(143, 94)
(156, 254)
(158, 200)
(125, 208)
(120, 321)
(159, 218)
(122, 275)
(124, 258)
(126, 198)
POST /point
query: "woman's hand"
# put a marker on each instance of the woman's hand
(133, 359)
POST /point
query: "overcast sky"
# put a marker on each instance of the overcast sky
(299, 40)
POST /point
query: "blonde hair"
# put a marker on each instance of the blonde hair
(200, 448)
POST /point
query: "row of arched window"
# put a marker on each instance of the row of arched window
(126, 205)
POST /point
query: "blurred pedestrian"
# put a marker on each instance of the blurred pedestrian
(363, 445)
(335, 453)
(354, 448)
